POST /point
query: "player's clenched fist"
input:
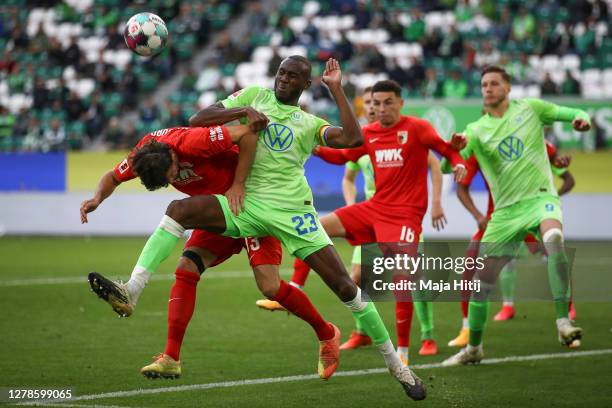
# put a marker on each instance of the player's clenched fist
(581, 125)
(459, 172)
(257, 121)
(88, 206)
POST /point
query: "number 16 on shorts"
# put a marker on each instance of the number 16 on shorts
(304, 224)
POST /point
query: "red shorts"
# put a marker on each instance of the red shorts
(367, 222)
(261, 251)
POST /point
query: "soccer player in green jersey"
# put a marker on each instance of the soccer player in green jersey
(278, 200)
(508, 142)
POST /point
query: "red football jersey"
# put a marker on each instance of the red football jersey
(207, 158)
(399, 158)
(473, 168)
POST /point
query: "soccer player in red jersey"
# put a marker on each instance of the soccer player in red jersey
(199, 161)
(507, 311)
(398, 147)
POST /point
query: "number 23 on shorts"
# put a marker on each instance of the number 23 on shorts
(299, 222)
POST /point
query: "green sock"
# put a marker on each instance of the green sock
(372, 324)
(507, 282)
(358, 326)
(558, 278)
(477, 319)
(158, 247)
(424, 312)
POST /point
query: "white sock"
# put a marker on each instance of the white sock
(296, 285)
(403, 351)
(464, 323)
(472, 349)
(138, 280)
(509, 303)
(563, 321)
(356, 304)
(392, 360)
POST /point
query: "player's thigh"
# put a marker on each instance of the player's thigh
(332, 225)
(213, 248)
(198, 212)
(358, 221)
(327, 264)
(505, 231)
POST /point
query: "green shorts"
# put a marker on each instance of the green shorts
(509, 225)
(299, 229)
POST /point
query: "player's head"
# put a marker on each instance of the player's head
(495, 86)
(156, 165)
(387, 102)
(368, 106)
(292, 77)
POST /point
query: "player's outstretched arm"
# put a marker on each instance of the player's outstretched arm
(349, 190)
(349, 135)
(108, 183)
(463, 193)
(217, 114)
(246, 139)
(549, 112)
(438, 219)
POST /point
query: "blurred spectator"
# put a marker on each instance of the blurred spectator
(40, 41)
(189, 80)
(129, 88)
(548, 86)
(397, 73)
(344, 49)
(523, 25)
(227, 51)
(7, 122)
(396, 29)
(56, 53)
(8, 63)
(520, 70)
(570, 85)
(363, 17)
(452, 44)
(175, 117)
(415, 74)
(60, 92)
(149, 111)
(503, 28)
(72, 54)
(54, 137)
(209, 77)
(34, 137)
(464, 11)
(94, 117)
(287, 36)
(40, 94)
(584, 38)
(415, 30)
(106, 82)
(73, 106)
(431, 45)
(487, 55)
(113, 134)
(115, 38)
(310, 35)
(19, 39)
(430, 86)
(455, 87)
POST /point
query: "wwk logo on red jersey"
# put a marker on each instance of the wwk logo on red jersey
(389, 157)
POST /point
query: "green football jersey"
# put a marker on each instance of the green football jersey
(277, 176)
(365, 165)
(511, 151)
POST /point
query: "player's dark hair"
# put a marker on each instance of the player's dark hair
(151, 163)
(303, 61)
(388, 85)
(496, 69)
(367, 89)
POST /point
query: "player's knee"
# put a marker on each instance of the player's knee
(346, 289)
(176, 210)
(553, 240)
(192, 262)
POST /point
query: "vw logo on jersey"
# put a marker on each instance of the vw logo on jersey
(511, 148)
(549, 207)
(278, 137)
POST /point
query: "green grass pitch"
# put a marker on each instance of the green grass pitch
(56, 334)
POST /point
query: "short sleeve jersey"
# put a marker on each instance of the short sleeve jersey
(364, 164)
(511, 151)
(207, 159)
(277, 176)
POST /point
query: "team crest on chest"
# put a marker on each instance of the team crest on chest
(186, 174)
(402, 137)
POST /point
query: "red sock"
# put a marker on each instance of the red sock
(296, 301)
(180, 310)
(403, 322)
(464, 308)
(300, 272)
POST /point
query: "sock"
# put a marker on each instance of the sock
(369, 319)
(424, 312)
(300, 272)
(507, 282)
(464, 321)
(464, 309)
(558, 278)
(158, 247)
(296, 301)
(477, 318)
(180, 309)
(403, 351)
(403, 322)
(358, 326)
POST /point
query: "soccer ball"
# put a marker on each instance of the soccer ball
(145, 34)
